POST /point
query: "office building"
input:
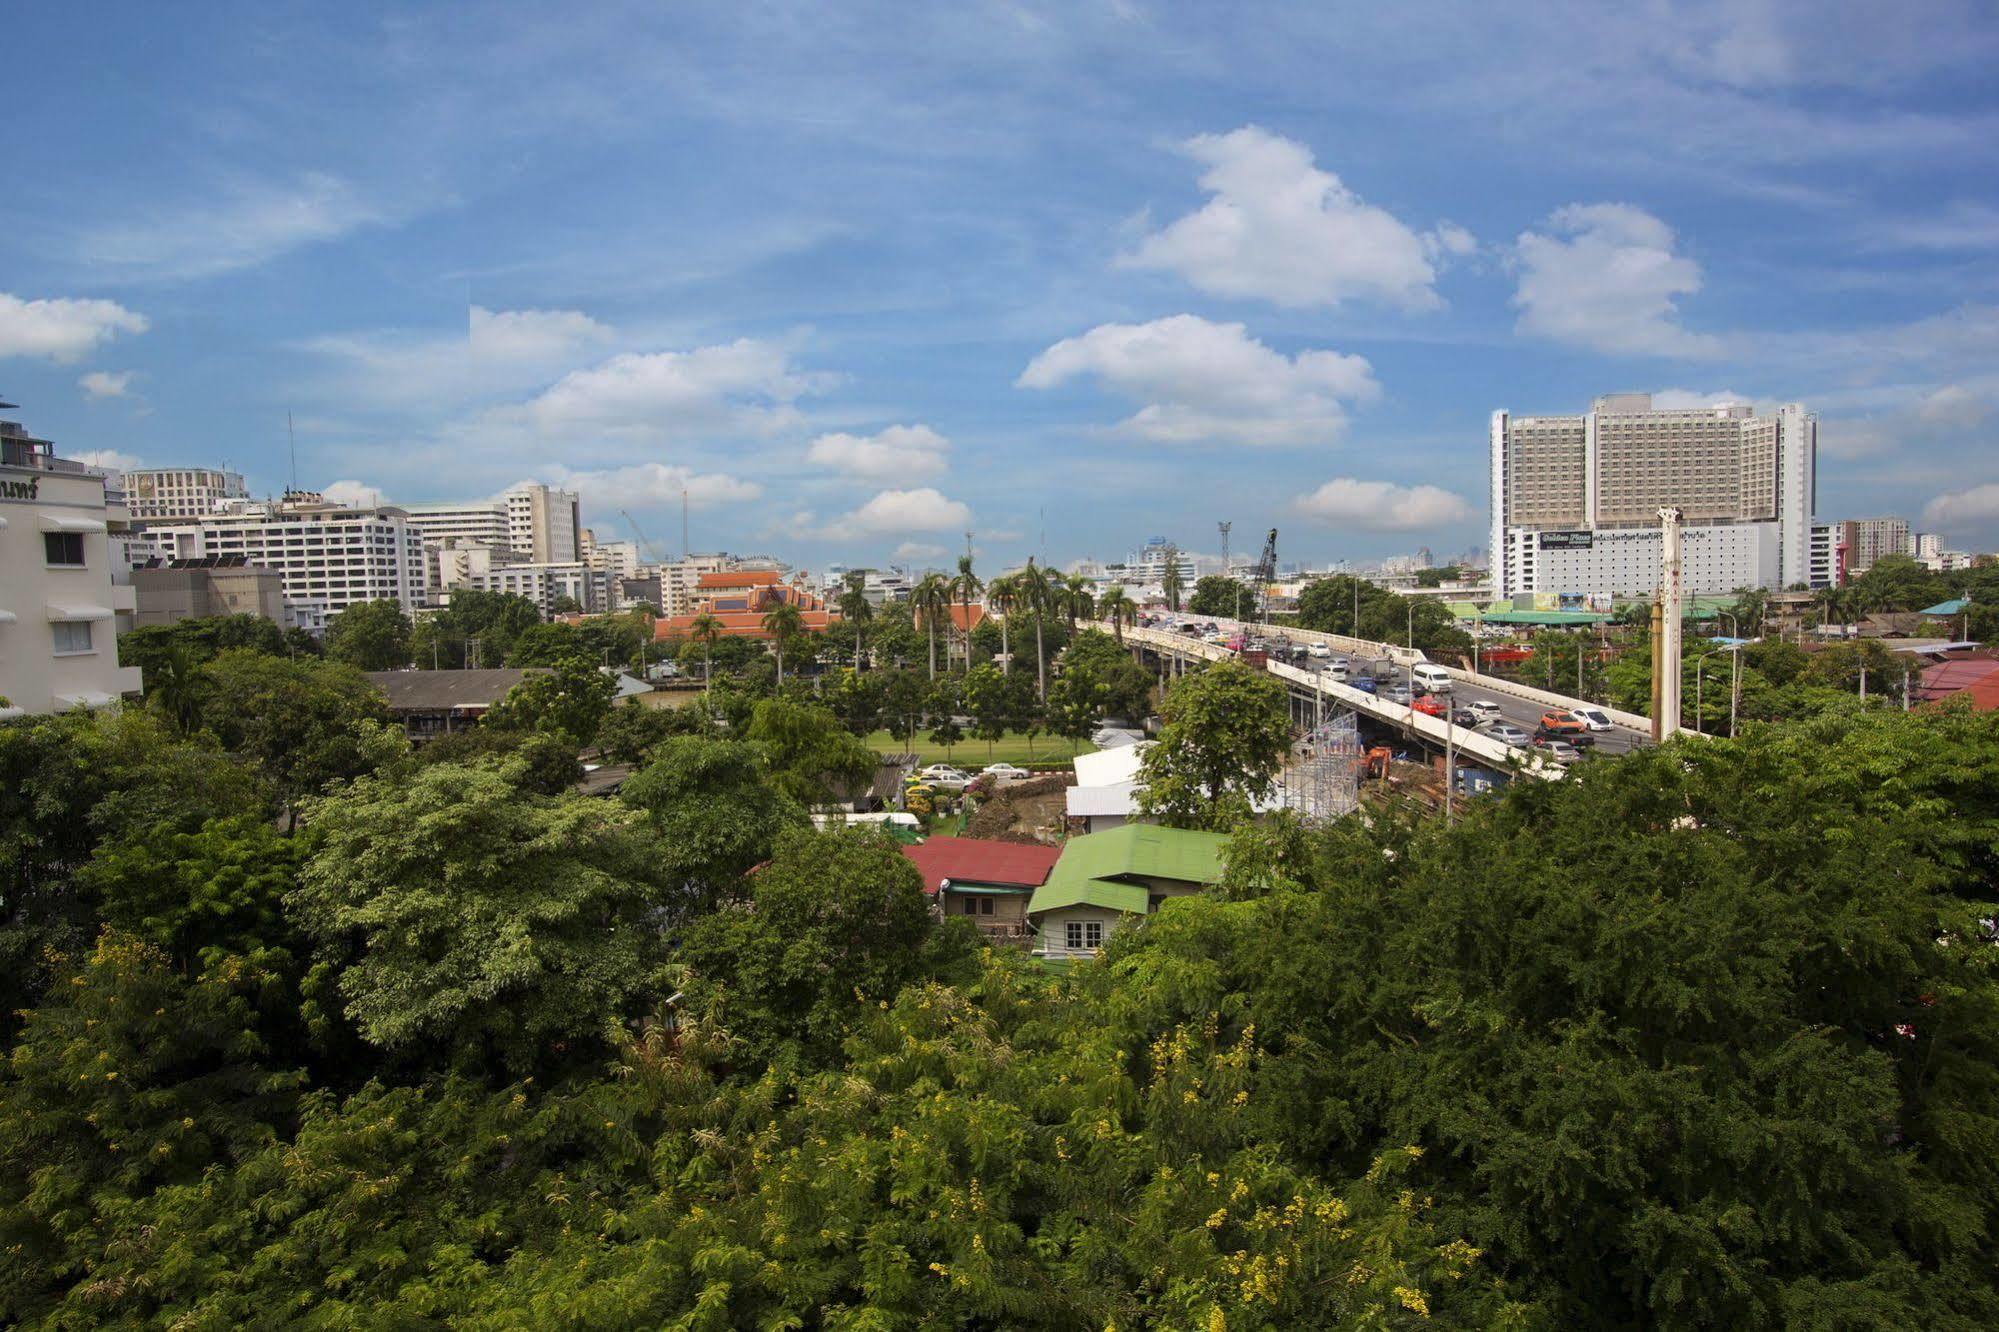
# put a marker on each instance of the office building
(1575, 500)
(164, 494)
(545, 584)
(1863, 541)
(328, 556)
(66, 595)
(538, 523)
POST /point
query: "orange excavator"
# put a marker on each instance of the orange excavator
(1374, 763)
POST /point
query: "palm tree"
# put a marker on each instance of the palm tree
(1119, 609)
(173, 687)
(783, 622)
(1002, 594)
(931, 601)
(1172, 581)
(967, 586)
(1037, 597)
(1077, 603)
(857, 610)
(705, 629)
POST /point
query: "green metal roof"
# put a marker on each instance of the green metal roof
(1130, 898)
(1544, 617)
(1092, 868)
(1952, 607)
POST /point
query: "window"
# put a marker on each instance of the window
(72, 636)
(1084, 933)
(63, 548)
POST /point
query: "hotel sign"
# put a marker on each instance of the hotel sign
(1567, 540)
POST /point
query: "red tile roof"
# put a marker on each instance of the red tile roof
(965, 617)
(735, 624)
(739, 578)
(1975, 678)
(973, 860)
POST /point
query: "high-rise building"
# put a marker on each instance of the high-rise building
(1575, 500)
(328, 556)
(66, 595)
(155, 494)
(538, 523)
(1863, 541)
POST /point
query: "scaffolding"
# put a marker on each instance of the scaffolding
(1324, 781)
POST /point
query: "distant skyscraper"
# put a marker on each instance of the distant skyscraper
(1575, 499)
(538, 523)
(1865, 540)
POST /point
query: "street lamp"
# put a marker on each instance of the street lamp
(1734, 679)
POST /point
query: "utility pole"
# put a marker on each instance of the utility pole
(1666, 631)
(684, 546)
(1227, 572)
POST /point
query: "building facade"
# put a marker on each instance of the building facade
(66, 595)
(327, 556)
(168, 591)
(1558, 484)
(545, 584)
(538, 523)
(156, 494)
(1864, 541)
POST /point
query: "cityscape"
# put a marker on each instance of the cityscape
(978, 695)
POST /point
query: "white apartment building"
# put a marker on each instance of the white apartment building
(328, 556)
(155, 494)
(538, 523)
(544, 584)
(64, 598)
(1559, 484)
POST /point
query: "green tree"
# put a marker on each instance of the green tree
(930, 601)
(547, 644)
(703, 631)
(1125, 687)
(511, 926)
(548, 764)
(1215, 595)
(304, 723)
(716, 810)
(571, 698)
(784, 623)
(813, 758)
(989, 702)
(856, 699)
(631, 734)
(965, 586)
(202, 638)
(1896, 583)
(370, 635)
(1119, 609)
(1172, 581)
(1076, 702)
(856, 611)
(1224, 737)
(173, 687)
(484, 624)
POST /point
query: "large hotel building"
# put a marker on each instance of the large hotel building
(1576, 499)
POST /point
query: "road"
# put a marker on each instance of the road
(1522, 712)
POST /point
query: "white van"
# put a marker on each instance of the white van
(1431, 679)
(1338, 672)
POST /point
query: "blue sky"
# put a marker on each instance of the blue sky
(861, 278)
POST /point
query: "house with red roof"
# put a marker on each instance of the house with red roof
(987, 882)
(1973, 678)
(739, 599)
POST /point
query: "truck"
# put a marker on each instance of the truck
(1256, 658)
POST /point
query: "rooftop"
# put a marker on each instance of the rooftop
(439, 691)
(976, 860)
(1095, 869)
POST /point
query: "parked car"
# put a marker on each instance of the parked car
(1505, 732)
(944, 777)
(1483, 710)
(1005, 772)
(1559, 750)
(1593, 717)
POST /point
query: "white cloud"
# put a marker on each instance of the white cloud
(110, 460)
(1605, 278)
(744, 385)
(354, 494)
(654, 485)
(106, 384)
(919, 550)
(246, 226)
(1380, 506)
(1679, 399)
(895, 512)
(1963, 509)
(530, 335)
(1283, 230)
(1210, 382)
(62, 330)
(898, 453)
(1952, 405)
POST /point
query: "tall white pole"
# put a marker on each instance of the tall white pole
(1668, 720)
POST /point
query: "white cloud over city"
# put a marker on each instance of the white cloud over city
(746, 385)
(896, 453)
(1279, 228)
(1203, 382)
(62, 329)
(1382, 506)
(1607, 277)
(897, 513)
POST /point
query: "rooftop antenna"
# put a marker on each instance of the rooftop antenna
(968, 545)
(685, 549)
(291, 435)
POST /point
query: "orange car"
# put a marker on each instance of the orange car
(1562, 724)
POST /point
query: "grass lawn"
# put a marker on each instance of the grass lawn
(973, 754)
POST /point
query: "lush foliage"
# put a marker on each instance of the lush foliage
(1224, 738)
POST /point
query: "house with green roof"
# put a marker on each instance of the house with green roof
(1107, 878)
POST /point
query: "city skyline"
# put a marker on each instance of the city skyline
(859, 287)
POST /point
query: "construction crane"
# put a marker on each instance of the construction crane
(1266, 573)
(639, 532)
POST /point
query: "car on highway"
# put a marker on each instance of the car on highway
(1559, 750)
(1364, 683)
(1505, 732)
(1594, 718)
(1005, 772)
(1396, 693)
(1337, 673)
(1483, 710)
(1431, 678)
(944, 777)
(1432, 706)
(1580, 739)
(1563, 724)
(1318, 650)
